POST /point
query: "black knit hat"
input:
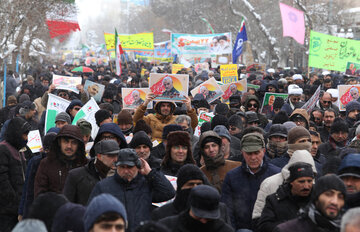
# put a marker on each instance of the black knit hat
(142, 126)
(222, 109)
(140, 138)
(326, 183)
(236, 121)
(101, 115)
(48, 140)
(206, 126)
(189, 172)
(203, 104)
(169, 128)
(219, 120)
(300, 169)
(339, 125)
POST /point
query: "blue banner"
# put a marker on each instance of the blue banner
(238, 46)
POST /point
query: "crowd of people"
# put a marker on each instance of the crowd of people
(288, 169)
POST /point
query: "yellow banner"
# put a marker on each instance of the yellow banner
(134, 42)
(228, 73)
(176, 68)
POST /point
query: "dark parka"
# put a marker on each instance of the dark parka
(53, 170)
(240, 190)
(136, 195)
(280, 207)
(80, 182)
(185, 223)
(12, 172)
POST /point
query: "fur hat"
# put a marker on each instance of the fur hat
(297, 133)
(124, 117)
(222, 109)
(169, 128)
(11, 100)
(178, 138)
(339, 125)
(203, 104)
(236, 121)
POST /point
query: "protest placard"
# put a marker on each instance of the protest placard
(310, 104)
(133, 97)
(209, 89)
(55, 105)
(269, 99)
(253, 86)
(176, 68)
(234, 89)
(199, 67)
(94, 90)
(34, 141)
(169, 87)
(203, 117)
(331, 52)
(352, 69)
(256, 67)
(348, 93)
(228, 73)
(67, 83)
(87, 112)
(133, 42)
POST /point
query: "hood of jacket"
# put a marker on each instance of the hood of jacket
(16, 128)
(298, 156)
(249, 98)
(157, 107)
(303, 114)
(208, 134)
(113, 129)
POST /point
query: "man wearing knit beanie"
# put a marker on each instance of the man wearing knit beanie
(352, 110)
(338, 139)
(235, 126)
(62, 119)
(325, 209)
(289, 197)
(143, 145)
(102, 117)
(299, 138)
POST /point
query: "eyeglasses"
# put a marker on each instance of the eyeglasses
(180, 147)
(327, 102)
(252, 105)
(63, 95)
(296, 99)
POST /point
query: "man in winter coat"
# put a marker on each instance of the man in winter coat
(242, 183)
(143, 145)
(203, 215)
(294, 92)
(164, 115)
(277, 145)
(300, 117)
(329, 117)
(67, 152)
(12, 171)
(324, 211)
(215, 165)
(272, 183)
(338, 139)
(288, 199)
(136, 185)
(81, 181)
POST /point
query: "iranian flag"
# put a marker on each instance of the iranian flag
(55, 105)
(118, 52)
(87, 112)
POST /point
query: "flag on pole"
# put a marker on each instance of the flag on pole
(240, 39)
(208, 24)
(118, 52)
(55, 105)
(87, 112)
(293, 22)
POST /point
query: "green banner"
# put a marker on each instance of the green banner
(331, 52)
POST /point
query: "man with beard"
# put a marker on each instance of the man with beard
(215, 165)
(293, 195)
(329, 117)
(324, 211)
(164, 115)
(136, 185)
(277, 145)
(125, 122)
(143, 145)
(294, 92)
(170, 91)
(203, 215)
(189, 176)
(325, 102)
(319, 158)
(349, 172)
(339, 133)
(352, 110)
(81, 181)
(67, 152)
